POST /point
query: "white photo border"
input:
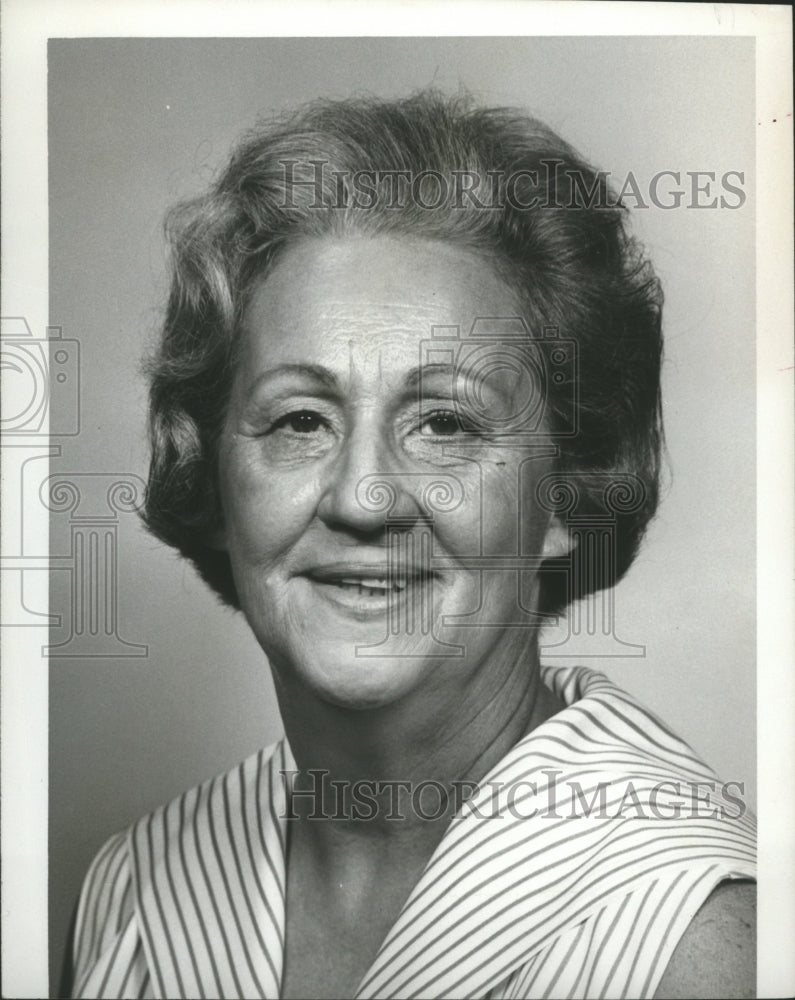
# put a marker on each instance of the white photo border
(27, 26)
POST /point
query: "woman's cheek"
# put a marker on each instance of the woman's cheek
(501, 506)
(269, 505)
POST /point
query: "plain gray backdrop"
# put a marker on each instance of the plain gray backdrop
(136, 124)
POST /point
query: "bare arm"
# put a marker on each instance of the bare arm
(716, 956)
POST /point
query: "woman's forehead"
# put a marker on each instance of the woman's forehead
(369, 298)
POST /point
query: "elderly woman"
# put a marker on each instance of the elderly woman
(404, 410)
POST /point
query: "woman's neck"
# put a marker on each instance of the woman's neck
(402, 770)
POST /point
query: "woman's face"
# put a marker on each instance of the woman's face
(366, 465)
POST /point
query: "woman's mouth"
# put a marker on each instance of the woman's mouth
(367, 592)
(372, 587)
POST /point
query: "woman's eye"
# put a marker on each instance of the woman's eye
(442, 423)
(300, 422)
(298, 436)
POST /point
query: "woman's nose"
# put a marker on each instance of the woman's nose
(365, 483)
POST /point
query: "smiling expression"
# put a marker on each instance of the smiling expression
(355, 483)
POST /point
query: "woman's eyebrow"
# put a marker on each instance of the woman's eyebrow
(416, 376)
(312, 373)
(451, 373)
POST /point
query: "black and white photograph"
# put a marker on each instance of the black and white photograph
(403, 606)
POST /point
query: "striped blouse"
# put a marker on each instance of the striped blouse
(572, 871)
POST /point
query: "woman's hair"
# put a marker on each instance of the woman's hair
(491, 180)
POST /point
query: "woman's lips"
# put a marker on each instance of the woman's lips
(367, 590)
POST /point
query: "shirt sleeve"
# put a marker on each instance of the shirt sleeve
(108, 957)
(622, 949)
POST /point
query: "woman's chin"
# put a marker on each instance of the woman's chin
(362, 682)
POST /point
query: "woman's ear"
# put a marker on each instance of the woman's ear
(557, 540)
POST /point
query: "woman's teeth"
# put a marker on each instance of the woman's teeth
(373, 587)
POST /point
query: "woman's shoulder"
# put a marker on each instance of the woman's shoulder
(242, 788)
(716, 955)
(606, 726)
(673, 937)
(231, 792)
(104, 915)
(157, 853)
